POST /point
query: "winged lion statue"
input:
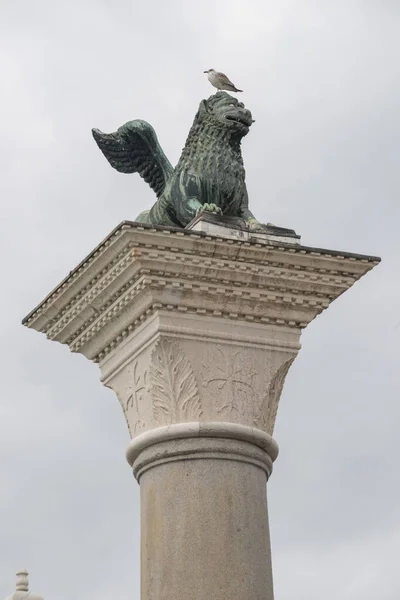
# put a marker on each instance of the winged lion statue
(209, 176)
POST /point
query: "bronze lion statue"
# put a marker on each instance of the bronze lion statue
(209, 175)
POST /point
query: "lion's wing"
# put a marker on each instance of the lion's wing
(134, 148)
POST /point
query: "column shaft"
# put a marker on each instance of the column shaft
(204, 522)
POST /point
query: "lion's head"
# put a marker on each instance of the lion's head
(224, 110)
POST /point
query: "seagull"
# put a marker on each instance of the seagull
(220, 81)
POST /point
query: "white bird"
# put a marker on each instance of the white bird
(221, 81)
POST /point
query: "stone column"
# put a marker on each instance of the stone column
(195, 331)
(204, 523)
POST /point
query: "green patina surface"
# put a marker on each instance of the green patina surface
(209, 176)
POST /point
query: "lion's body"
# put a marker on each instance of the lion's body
(210, 171)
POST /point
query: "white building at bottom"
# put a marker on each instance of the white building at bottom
(22, 588)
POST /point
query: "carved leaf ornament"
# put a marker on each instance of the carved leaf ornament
(174, 392)
(269, 408)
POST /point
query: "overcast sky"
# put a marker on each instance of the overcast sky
(322, 81)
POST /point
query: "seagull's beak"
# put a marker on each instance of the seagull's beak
(205, 71)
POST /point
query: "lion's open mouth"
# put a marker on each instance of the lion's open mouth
(239, 119)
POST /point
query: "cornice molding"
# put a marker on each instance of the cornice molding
(138, 270)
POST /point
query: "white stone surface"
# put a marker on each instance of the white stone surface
(195, 333)
(249, 235)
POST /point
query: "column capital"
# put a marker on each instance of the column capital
(188, 373)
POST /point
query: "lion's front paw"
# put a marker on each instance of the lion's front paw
(213, 208)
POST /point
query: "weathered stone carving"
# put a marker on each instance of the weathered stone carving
(173, 389)
(209, 175)
(267, 415)
(138, 396)
(132, 395)
(231, 378)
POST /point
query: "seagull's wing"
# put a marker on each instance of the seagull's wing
(134, 148)
(225, 79)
